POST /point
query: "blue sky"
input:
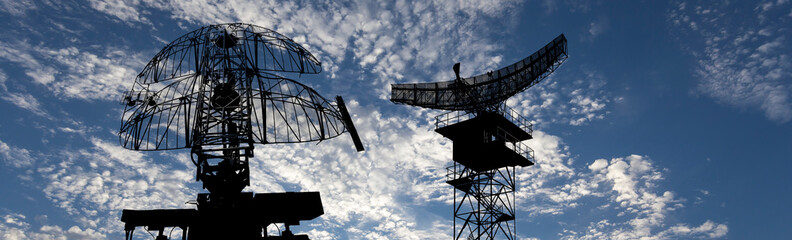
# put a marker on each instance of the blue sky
(668, 120)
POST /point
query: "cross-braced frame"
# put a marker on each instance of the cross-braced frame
(484, 206)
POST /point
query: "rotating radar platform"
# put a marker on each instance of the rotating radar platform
(219, 91)
(487, 138)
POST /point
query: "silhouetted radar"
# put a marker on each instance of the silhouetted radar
(486, 90)
(221, 80)
(487, 138)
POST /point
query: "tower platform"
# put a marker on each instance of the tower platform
(488, 141)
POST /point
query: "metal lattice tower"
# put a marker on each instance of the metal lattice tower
(216, 92)
(487, 138)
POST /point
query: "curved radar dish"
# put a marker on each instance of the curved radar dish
(218, 84)
(485, 91)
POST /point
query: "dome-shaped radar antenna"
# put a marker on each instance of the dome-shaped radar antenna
(217, 91)
(487, 137)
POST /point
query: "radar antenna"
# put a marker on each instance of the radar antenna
(483, 172)
(215, 91)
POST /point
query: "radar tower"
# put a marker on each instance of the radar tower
(217, 92)
(487, 138)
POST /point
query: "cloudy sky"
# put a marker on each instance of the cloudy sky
(668, 120)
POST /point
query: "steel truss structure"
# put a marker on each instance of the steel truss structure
(217, 92)
(484, 203)
(487, 148)
(487, 138)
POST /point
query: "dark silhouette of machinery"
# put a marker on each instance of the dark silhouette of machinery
(487, 138)
(215, 91)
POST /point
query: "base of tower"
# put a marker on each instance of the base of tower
(243, 218)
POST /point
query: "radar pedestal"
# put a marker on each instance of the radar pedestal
(487, 149)
(247, 218)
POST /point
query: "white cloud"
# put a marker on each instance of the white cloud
(631, 184)
(570, 5)
(363, 192)
(15, 157)
(770, 46)
(578, 97)
(88, 76)
(743, 60)
(25, 101)
(17, 8)
(598, 164)
(707, 229)
(80, 74)
(551, 186)
(624, 190)
(20, 99)
(124, 10)
(93, 185)
(21, 53)
(388, 38)
(597, 28)
(3, 79)
(15, 227)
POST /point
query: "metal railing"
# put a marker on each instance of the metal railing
(518, 147)
(452, 117)
(457, 171)
(515, 117)
(510, 114)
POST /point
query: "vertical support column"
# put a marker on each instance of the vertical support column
(224, 134)
(484, 203)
